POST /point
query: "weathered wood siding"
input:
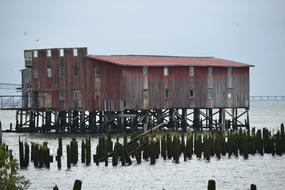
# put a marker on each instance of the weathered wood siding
(48, 88)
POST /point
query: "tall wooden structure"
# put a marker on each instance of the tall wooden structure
(68, 89)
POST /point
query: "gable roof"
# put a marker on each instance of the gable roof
(159, 60)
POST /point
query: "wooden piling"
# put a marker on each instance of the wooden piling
(252, 187)
(77, 185)
(211, 185)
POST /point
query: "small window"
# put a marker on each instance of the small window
(145, 71)
(49, 53)
(49, 72)
(61, 53)
(98, 71)
(229, 93)
(35, 53)
(191, 93)
(230, 70)
(211, 94)
(61, 71)
(97, 94)
(145, 93)
(166, 93)
(76, 95)
(210, 70)
(75, 52)
(75, 71)
(61, 95)
(191, 71)
(36, 73)
(165, 71)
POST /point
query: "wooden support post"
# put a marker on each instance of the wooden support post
(48, 121)
(146, 120)
(184, 119)
(222, 117)
(159, 117)
(37, 119)
(17, 119)
(171, 118)
(82, 121)
(43, 119)
(247, 119)
(210, 118)
(75, 120)
(62, 120)
(196, 119)
(92, 120)
(32, 121)
(0, 132)
(21, 119)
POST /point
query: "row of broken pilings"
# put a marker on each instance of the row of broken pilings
(170, 146)
(40, 154)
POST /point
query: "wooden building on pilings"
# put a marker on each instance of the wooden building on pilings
(67, 89)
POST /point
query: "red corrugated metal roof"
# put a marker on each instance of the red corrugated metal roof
(159, 60)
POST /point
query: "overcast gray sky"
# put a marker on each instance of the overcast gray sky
(249, 31)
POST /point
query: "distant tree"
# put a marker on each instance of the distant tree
(10, 179)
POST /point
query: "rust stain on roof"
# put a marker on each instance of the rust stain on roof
(160, 60)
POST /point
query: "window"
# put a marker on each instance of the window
(61, 52)
(98, 71)
(165, 71)
(35, 53)
(210, 70)
(230, 70)
(145, 71)
(61, 71)
(191, 93)
(75, 71)
(49, 72)
(36, 73)
(191, 71)
(61, 95)
(49, 53)
(166, 93)
(97, 94)
(211, 94)
(229, 93)
(76, 95)
(75, 52)
(145, 93)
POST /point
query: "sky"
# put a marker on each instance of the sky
(250, 32)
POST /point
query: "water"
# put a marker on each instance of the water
(267, 172)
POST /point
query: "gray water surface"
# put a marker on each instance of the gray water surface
(267, 172)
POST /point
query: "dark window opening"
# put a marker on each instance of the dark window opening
(75, 71)
(191, 93)
(61, 71)
(166, 94)
(98, 71)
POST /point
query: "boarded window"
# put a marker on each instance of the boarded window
(145, 71)
(166, 93)
(61, 52)
(165, 71)
(211, 93)
(49, 53)
(229, 93)
(98, 71)
(35, 53)
(191, 93)
(75, 71)
(97, 94)
(49, 72)
(76, 95)
(61, 71)
(75, 52)
(36, 73)
(191, 71)
(61, 95)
